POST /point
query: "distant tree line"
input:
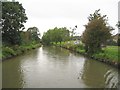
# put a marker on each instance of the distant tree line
(56, 35)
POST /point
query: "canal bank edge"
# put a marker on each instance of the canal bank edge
(106, 61)
(17, 50)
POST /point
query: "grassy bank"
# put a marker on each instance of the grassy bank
(109, 52)
(11, 51)
(71, 46)
(108, 55)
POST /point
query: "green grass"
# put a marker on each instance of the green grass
(16, 50)
(82, 51)
(7, 52)
(71, 46)
(0, 55)
(109, 53)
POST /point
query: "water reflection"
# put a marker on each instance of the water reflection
(53, 67)
(0, 74)
(11, 74)
(56, 52)
(99, 75)
(111, 79)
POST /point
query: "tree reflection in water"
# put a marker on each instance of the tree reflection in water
(111, 79)
(98, 75)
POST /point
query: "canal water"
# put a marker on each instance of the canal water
(54, 67)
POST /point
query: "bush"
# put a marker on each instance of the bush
(82, 51)
(99, 55)
(7, 51)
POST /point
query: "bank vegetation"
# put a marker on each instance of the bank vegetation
(96, 42)
(15, 39)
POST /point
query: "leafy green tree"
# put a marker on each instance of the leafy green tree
(118, 24)
(46, 38)
(34, 34)
(65, 34)
(96, 33)
(13, 17)
(118, 41)
(56, 35)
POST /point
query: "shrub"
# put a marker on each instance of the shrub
(7, 51)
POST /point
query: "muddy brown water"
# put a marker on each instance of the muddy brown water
(54, 67)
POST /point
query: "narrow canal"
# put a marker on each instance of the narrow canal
(54, 67)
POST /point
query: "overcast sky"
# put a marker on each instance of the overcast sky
(47, 14)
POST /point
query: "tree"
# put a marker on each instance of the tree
(47, 37)
(66, 34)
(118, 41)
(13, 17)
(118, 25)
(73, 31)
(56, 35)
(96, 33)
(34, 33)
